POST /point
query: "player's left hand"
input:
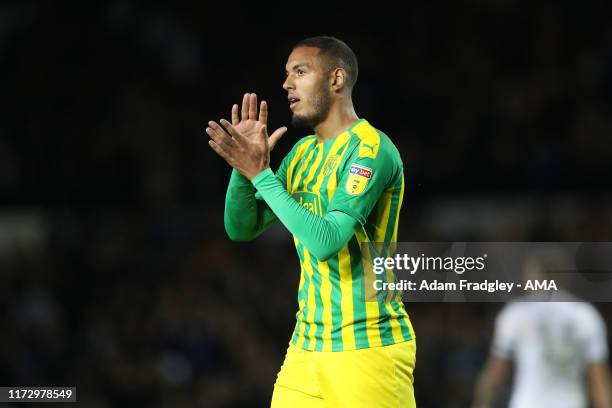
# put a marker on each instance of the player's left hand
(250, 156)
(249, 124)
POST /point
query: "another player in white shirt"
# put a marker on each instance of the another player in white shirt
(559, 350)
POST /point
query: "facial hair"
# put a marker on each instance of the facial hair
(321, 104)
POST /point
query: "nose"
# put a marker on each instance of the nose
(288, 84)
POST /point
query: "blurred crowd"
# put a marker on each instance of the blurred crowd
(117, 274)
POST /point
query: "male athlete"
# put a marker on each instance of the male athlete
(337, 189)
(559, 350)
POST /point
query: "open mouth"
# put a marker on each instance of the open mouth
(293, 102)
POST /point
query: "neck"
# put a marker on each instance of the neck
(341, 117)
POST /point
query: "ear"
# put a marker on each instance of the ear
(338, 79)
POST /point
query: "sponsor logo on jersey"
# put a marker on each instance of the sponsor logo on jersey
(310, 201)
(358, 179)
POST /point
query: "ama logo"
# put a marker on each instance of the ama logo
(540, 285)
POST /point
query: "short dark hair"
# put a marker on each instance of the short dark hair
(339, 55)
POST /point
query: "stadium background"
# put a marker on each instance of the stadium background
(117, 276)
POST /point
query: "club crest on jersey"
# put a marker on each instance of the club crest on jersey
(358, 179)
(330, 165)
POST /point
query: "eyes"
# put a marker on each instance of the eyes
(300, 72)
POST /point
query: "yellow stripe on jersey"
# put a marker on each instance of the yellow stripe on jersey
(332, 184)
(301, 302)
(323, 266)
(300, 172)
(326, 290)
(371, 305)
(311, 328)
(386, 198)
(399, 205)
(382, 217)
(315, 165)
(331, 156)
(345, 272)
(346, 288)
(296, 159)
(405, 319)
(369, 140)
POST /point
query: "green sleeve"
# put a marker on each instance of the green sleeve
(246, 214)
(322, 236)
(363, 180)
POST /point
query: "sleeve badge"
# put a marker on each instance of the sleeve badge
(358, 179)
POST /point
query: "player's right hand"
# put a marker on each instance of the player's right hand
(247, 122)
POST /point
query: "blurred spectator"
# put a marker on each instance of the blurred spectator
(559, 349)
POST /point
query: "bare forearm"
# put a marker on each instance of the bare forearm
(495, 374)
(483, 393)
(599, 384)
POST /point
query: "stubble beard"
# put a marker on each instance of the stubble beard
(321, 104)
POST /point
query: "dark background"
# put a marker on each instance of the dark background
(117, 275)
